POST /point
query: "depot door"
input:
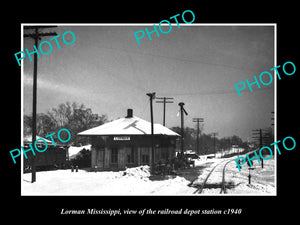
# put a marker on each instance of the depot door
(114, 158)
(100, 158)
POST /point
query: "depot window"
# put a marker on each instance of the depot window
(114, 155)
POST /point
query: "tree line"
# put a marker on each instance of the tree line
(77, 118)
(207, 143)
(72, 116)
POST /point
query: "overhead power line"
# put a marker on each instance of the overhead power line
(216, 92)
(181, 59)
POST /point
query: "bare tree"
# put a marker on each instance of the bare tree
(72, 116)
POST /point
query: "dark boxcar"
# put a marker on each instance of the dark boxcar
(53, 157)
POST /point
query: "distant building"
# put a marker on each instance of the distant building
(126, 142)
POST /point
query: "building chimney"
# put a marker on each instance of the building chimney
(129, 113)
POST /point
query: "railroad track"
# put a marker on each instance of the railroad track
(219, 171)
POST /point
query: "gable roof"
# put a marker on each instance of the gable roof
(129, 126)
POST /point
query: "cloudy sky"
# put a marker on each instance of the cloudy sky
(107, 71)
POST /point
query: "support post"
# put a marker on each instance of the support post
(152, 96)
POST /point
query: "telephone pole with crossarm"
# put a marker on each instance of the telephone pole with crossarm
(198, 120)
(164, 100)
(36, 36)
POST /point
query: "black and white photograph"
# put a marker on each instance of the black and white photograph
(164, 113)
(160, 118)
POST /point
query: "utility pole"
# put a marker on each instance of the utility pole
(152, 96)
(182, 110)
(198, 120)
(165, 100)
(259, 132)
(273, 130)
(214, 134)
(36, 36)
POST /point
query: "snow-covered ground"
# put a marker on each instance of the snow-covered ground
(135, 181)
(262, 179)
(237, 182)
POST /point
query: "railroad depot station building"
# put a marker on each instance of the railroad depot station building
(126, 142)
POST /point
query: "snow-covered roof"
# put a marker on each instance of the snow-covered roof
(129, 126)
(73, 150)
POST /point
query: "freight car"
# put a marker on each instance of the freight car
(54, 157)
